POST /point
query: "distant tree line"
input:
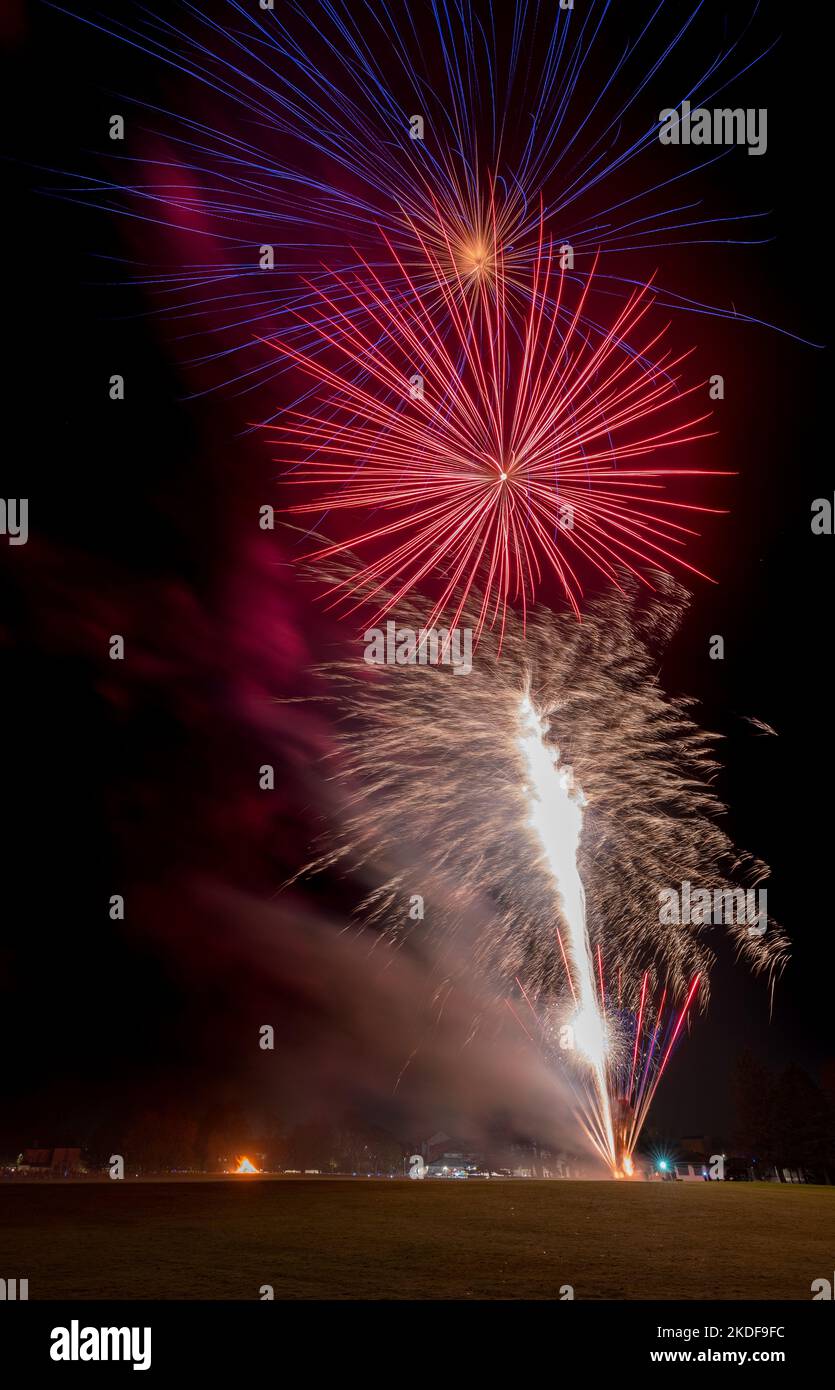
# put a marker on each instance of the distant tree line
(170, 1138)
(785, 1119)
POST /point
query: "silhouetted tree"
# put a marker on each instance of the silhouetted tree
(311, 1145)
(801, 1122)
(784, 1121)
(365, 1148)
(226, 1134)
(161, 1140)
(753, 1091)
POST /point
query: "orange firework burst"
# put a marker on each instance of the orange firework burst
(488, 445)
(479, 244)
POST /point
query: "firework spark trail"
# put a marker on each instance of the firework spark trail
(637, 1033)
(557, 817)
(308, 149)
(312, 77)
(651, 1078)
(505, 464)
(432, 796)
(613, 1110)
(431, 760)
(632, 1093)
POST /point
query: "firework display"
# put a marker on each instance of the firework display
(418, 535)
(423, 224)
(509, 449)
(573, 793)
(317, 134)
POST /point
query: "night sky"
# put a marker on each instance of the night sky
(140, 777)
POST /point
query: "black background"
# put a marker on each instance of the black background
(136, 518)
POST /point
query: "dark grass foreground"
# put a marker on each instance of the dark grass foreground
(413, 1240)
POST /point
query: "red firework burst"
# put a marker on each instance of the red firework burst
(488, 442)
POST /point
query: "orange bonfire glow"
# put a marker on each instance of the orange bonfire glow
(244, 1166)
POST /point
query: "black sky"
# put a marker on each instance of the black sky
(140, 520)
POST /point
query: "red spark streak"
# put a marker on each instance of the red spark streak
(638, 1032)
(509, 461)
(681, 1018)
(565, 963)
(518, 1020)
(650, 1077)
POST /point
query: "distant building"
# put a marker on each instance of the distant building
(694, 1147)
(61, 1163)
(691, 1160)
(441, 1143)
(690, 1172)
(452, 1165)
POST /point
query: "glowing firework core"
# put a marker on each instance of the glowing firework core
(474, 257)
(556, 806)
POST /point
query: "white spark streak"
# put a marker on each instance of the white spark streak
(556, 806)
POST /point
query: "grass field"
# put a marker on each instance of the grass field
(412, 1240)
